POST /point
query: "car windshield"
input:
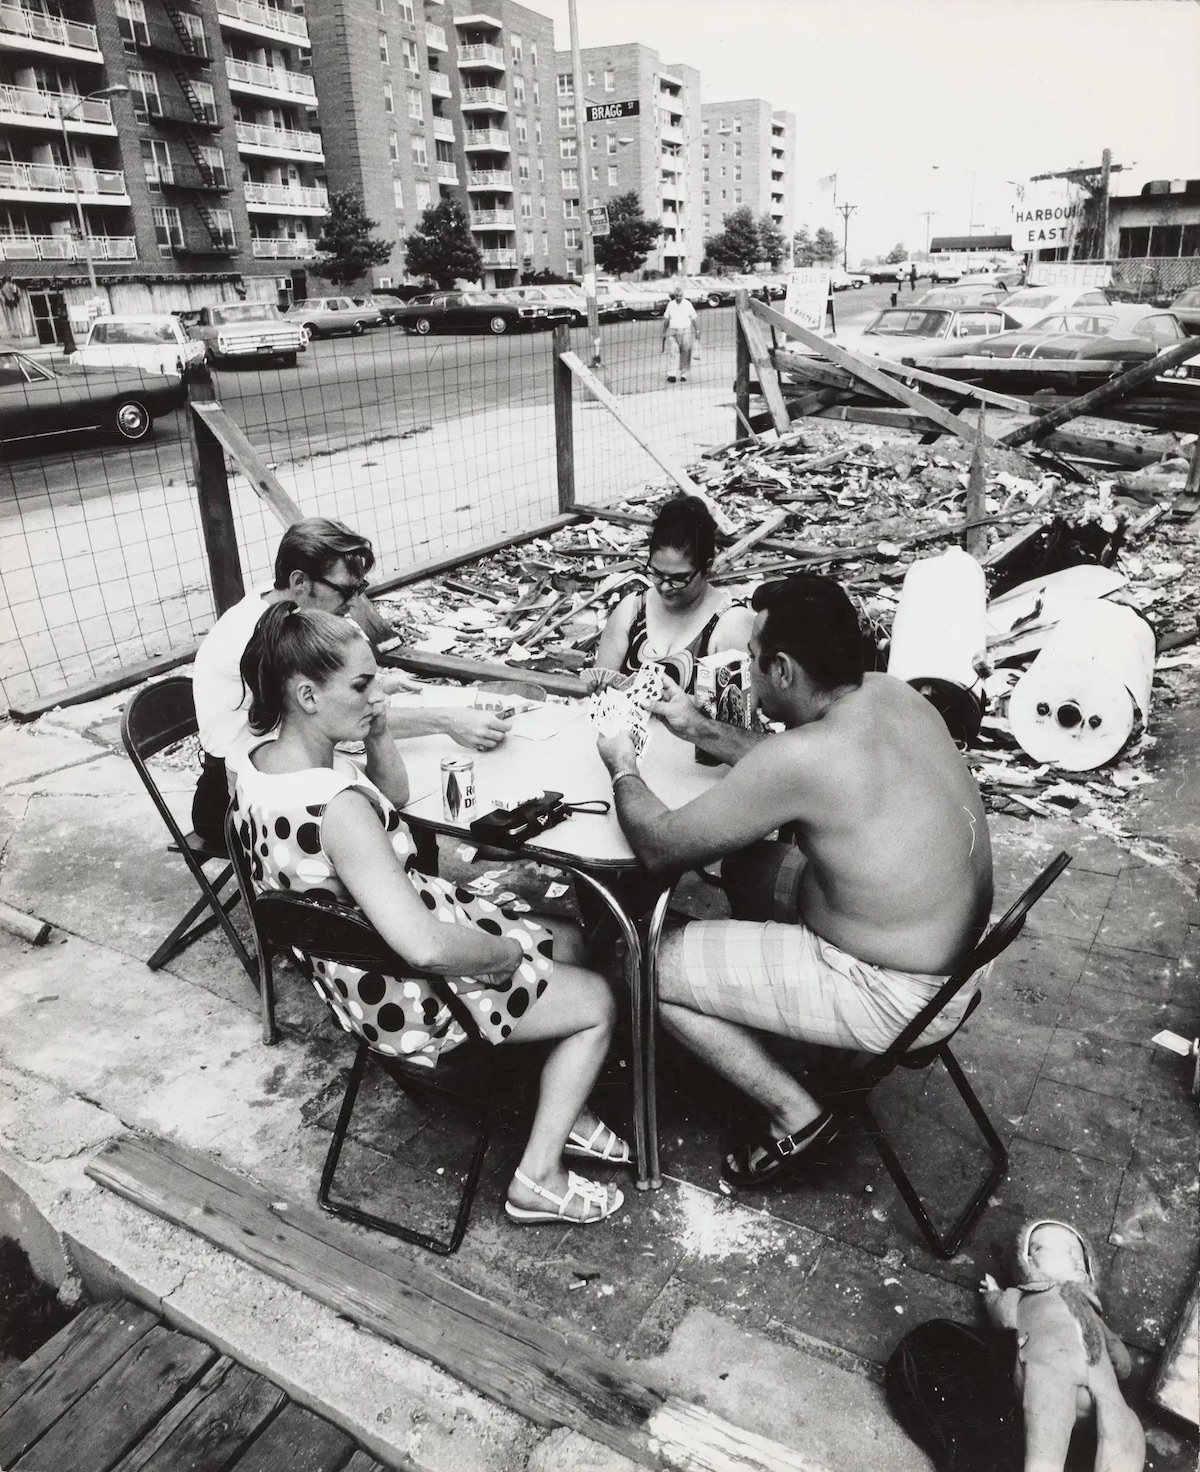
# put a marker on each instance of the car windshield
(476, 299)
(250, 312)
(133, 332)
(15, 369)
(1026, 299)
(1189, 298)
(1087, 323)
(904, 323)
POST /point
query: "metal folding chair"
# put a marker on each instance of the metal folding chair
(847, 1092)
(158, 716)
(289, 923)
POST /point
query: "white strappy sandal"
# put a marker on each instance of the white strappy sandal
(603, 1199)
(615, 1151)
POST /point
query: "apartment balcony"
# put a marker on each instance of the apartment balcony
(30, 107)
(443, 128)
(491, 98)
(254, 19)
(51, 35)
(439, 84)
(435, 37)
(490, 138)
(446, 171)
(491, 179)
(282, 250)
(253, 138)
(489, 57)
(283, 199)
(52, 184)
(478, 21)
(270, 81)
(499, 257)
(67, 248)
(672, 133)
(493, 220)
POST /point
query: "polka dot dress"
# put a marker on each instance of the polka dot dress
(278, 819)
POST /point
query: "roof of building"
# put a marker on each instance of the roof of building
(971, 242)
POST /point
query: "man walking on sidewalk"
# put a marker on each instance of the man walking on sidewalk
(680, 335)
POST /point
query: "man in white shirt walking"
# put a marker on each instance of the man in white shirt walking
(680, 335)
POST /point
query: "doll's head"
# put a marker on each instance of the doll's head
(1053, 1252)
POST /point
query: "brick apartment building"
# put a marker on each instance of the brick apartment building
(748, 157)
(655, 152)
(196, 174)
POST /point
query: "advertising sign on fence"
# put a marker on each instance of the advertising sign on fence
(1046, 214)
(808, 297)
(1069, 273)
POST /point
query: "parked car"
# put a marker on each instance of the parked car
(719, 289)
(388, 307)
(893, 271)
(235, 331)
(966, 294)
(156, 343)
(327, 316)
(467, 311)
(37, 399)
(1117, 332)
(842, 280)
(1033, 302)
(558, 295)
(928, 332)
(776, 286)
(556, 310)
(1186, 307)
(654, 295)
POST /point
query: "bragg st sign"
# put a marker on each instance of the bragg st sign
(607, 112)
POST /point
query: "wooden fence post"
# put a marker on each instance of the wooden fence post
(741, 377)
(212, 495)
(564, 419)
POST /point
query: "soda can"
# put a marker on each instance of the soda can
(458, 789)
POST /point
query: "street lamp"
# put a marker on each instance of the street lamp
(63, 113)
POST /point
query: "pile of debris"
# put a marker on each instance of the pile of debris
(864, 506)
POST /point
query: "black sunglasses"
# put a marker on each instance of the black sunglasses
(348, 592)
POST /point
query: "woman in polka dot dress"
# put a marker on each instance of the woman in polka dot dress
(313, 824)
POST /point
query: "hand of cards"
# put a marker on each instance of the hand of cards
(625, 705)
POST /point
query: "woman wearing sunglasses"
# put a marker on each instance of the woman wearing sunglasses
(680, 617)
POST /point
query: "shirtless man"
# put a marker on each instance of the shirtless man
(891, 893)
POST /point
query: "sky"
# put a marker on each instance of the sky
(920, 105)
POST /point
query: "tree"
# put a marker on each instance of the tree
(802, 247)
(737, 246)
(825, 248)
(772, 247)
(443, 247)
(630, 237)
(346, 240)
(898, 252)
(543, 277)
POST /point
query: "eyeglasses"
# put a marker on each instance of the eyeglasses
(347, 592)
(672, 580)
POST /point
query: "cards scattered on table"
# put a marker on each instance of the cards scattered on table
(556, 891)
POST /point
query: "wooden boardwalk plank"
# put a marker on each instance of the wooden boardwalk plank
(123, 1404)
(361, 1462)
(297, 1441)
(77, 1361)
(13, 1386)
(205, 1431)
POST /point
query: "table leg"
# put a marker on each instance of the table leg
(650, 1002)
(635, 979)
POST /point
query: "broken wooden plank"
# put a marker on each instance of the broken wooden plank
(297, 1441)
(1108, 393)
(867, 371)
(768, 379)
(751, 539)
(975, 535)
(550, 1377)
(435, 566)
(633, 518)
(456, 667)
(249, 462)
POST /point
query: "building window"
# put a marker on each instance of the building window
(541, 206)
(515, 46)
(412, 58)
(595, 174)
(567, 147)
(522, 131)
(416, 105)
(704, 151)
(389, 98)
(570, 209)
(737, 171)
(722, 145)
(533, 53)
(541, 170)
(527, 245)
(168, 229)
(522, 166)
(405, 8)
(424, 195)
(394, 147)
(591, 79)
(610, 142)
(545, 243)
(570, 178)
(704, 175)
(194, 26)
(571, 240)
(737, 150)
(566, 117)
(398, 193)
(566, 84)
(207, 99)
(223, 225)
(610, 80)
(383, 48)
(707, 197)
(537, 131)
(612, 173)
(527, 206)
(213, 161)
(419, 157)
(537, 93)
(723, 171)
(518, 86)
(704, 129)
(131, 22)
(156, 160)
(737, 125)
(146, 101)
(379, 6)
(737, 196)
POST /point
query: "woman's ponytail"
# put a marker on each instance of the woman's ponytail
(287, 641)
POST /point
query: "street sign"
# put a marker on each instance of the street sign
(607, 112)
(598, 218)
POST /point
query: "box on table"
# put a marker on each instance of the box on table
(722, 691)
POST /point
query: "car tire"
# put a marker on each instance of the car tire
(497, 326)
(422, 326)
(857, 285)
(713, 300)
(308, 330)
(132, 420)
(357, 329)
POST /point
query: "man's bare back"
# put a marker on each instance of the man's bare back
(899, 862)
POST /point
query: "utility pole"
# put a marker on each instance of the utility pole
(589, 244)
(1106, 166)
(846, 210)
(927, 215)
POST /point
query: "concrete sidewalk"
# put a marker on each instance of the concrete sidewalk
(776, 1312)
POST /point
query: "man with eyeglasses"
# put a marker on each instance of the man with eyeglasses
(320, 564)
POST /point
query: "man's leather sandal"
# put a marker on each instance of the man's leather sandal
(760, 1162)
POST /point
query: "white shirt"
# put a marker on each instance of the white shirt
(679, 316)
(222, 701)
